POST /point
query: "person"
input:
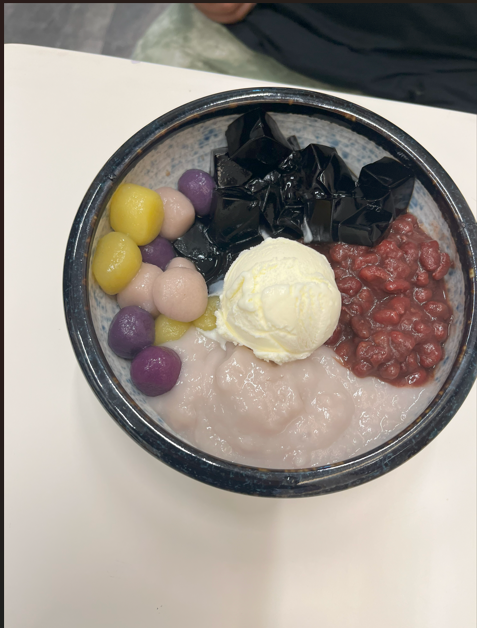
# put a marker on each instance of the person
(416, 52)
(225, 12)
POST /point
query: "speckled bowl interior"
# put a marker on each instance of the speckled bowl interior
(191, 148)
(157, 156)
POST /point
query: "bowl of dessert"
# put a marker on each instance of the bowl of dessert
(272, 291)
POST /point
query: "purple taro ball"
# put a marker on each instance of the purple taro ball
(131, 331)
(155, 370)
(198, 186)
(158, 252)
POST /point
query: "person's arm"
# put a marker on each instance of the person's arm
(225, 12)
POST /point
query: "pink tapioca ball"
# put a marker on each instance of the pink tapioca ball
(139, 289)
(181, 262)
(180, 294)
(179, 214)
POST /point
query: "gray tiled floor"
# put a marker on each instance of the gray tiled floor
(104, 28)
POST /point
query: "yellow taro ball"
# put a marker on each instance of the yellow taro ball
(208, 322)
(168, 329)
(116, 261)
(136, 211)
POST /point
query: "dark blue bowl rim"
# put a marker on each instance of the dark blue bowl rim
(182, 456)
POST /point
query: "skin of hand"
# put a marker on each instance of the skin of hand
(225, 12)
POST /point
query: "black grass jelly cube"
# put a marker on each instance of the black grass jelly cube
(235, 217)
(256, 143)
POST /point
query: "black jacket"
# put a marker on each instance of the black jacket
(421, 53)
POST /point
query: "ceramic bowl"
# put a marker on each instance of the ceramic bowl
(182, 139)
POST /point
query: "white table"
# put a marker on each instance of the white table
(99, 533)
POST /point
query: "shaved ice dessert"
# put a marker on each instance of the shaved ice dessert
(279, 311)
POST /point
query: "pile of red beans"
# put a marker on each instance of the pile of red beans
(395, 315)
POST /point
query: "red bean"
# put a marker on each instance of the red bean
(340, 273)
(444, 265)
(363, 349)
(423, 294)
(339, 252)
(422, 330)
(406, 323)
(389, 249)
(430, 257)
(402, 344)
(411, 251)
(379, 356)
(403, 226)
(397, 268)
(438, 309)
(373, 275)
(399, 285)
(366, 297)
(387, 317)
(430, 354)
(381, 338)
(345, 350)
(345, 316)
(410, 218)
(361, 369)
(361, 327)
(354, 308)
(411, 362)
(365, 260)
(349, 285)
(400, 304)
(390, 370)
(422, 279)
(441, 330)
(417, 378)
(376, 352)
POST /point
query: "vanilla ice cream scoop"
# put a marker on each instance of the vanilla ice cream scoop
(280, 299)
